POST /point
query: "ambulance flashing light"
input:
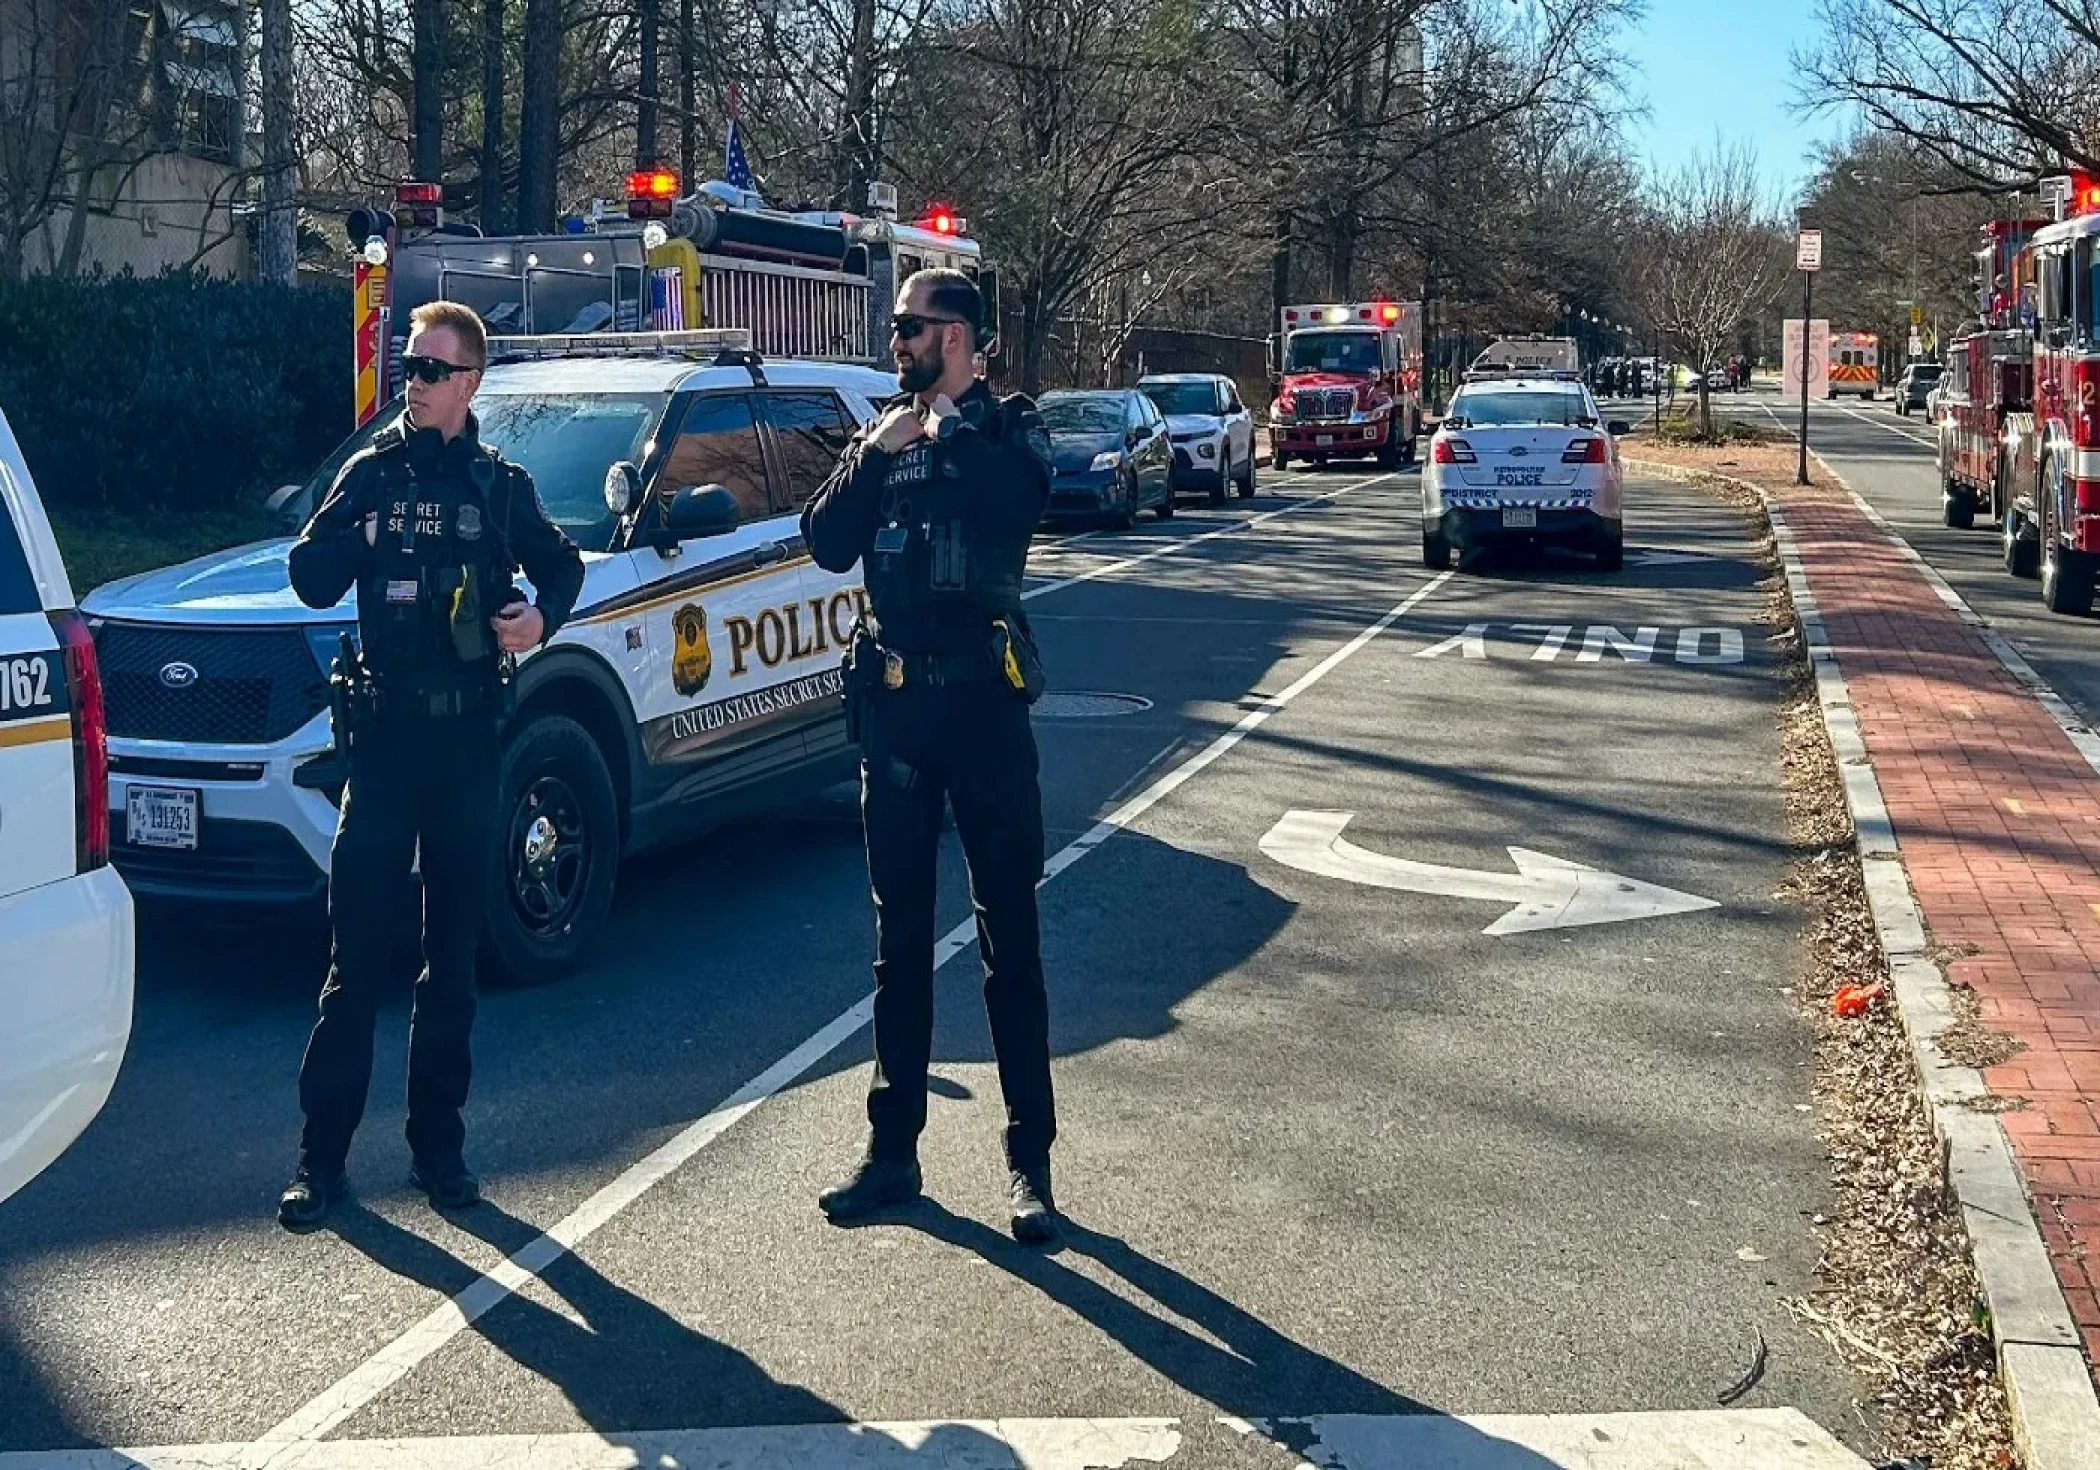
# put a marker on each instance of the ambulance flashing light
(651, 192)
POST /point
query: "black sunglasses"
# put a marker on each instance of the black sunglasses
(433, 369)
(906, 325)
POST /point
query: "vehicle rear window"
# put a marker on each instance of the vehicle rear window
(811, 431)
(18, 592)
(1499, 410)
(1082, 415)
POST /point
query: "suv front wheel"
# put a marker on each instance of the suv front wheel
(557, 851)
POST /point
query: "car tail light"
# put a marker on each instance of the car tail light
(1584, 451)
(1453, 451)
(90, 740)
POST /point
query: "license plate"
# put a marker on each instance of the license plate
(160, 816)
(1514, 519)
(1325, 441)
(1507, 476)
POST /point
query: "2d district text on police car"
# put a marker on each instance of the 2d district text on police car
(698, 679)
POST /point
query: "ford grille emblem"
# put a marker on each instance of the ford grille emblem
(178, 675)
(1516, 451)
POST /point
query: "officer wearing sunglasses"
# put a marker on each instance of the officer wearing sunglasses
(429, 525)
(937, 501)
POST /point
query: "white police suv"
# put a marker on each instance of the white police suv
(697, 680)
(66, 936)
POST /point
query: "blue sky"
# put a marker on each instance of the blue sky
(1709, 67)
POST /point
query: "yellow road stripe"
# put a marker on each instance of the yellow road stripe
(33, 732)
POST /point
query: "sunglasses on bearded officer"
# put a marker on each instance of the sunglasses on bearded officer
(433, 369)
(908, 325)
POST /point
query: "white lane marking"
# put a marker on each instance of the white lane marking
(400, 1357)
(1236, 528)
(1896, 429)
(1037, 1444)
(1721, 1439)
(1548, 892)
(1714, 1439)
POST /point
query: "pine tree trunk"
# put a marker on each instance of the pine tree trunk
(539, 139)
(492, 104)
(428, 52)
(646, 103)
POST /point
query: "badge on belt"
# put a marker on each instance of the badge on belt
(892, 670)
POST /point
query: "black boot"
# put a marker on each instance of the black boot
(310, 1195)
(449, 1186)
(877, 1185)
(1034, 1211)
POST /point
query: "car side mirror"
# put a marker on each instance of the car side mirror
(1617, 427)
(623, 488)
(283, 508)
(701, 510)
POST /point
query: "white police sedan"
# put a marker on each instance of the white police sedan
(1523, 460)
(66, 939)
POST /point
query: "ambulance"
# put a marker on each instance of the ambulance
(1855, 364)
(1348, 382)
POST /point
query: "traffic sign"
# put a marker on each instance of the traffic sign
(1917, 314)
(1808, 251)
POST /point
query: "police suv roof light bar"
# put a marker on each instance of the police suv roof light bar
(700, 343)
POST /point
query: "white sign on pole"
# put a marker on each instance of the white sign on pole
(1818, 358)
(1808, 251)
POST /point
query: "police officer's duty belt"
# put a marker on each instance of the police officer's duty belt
(900, 670)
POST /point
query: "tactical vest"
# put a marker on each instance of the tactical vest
(924, 557)
(441, 568)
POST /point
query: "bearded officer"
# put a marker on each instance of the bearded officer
(429, 525)
(937, 501)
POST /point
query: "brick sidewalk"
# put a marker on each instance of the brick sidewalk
(1997, 817)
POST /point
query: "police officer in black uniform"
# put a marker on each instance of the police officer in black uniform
(429, 525)
(937, 501)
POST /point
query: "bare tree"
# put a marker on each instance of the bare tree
(1711, 254)
(2000, 91)
(278, 252)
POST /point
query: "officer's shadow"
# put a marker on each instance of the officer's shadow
(1258, 1372)
(630, 1370)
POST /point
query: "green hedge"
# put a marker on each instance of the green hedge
(174, 393)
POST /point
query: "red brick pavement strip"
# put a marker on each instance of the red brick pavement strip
(1997, 817)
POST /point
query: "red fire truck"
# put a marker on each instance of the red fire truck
(805, 285)
(1347, 382)
(2052, 524)
(1989, 378)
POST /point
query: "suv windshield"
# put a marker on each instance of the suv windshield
(1083, 415)
(1332, 352)
(566, 442)
(1924, 371)
(1182, 397)
(1504, 410)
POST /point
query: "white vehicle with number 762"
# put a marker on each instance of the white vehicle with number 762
(1523, 461)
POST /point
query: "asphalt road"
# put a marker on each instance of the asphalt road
(1358, 1136)
(1892, 463)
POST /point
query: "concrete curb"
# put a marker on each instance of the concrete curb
(2055, 1412)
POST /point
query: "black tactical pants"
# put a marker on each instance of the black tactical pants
(418, 780)
(972, 745)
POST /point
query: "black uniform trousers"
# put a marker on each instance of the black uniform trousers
(419, 779)
(970, 743)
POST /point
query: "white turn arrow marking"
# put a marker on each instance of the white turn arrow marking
(1663, 558)
(1548, 892)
